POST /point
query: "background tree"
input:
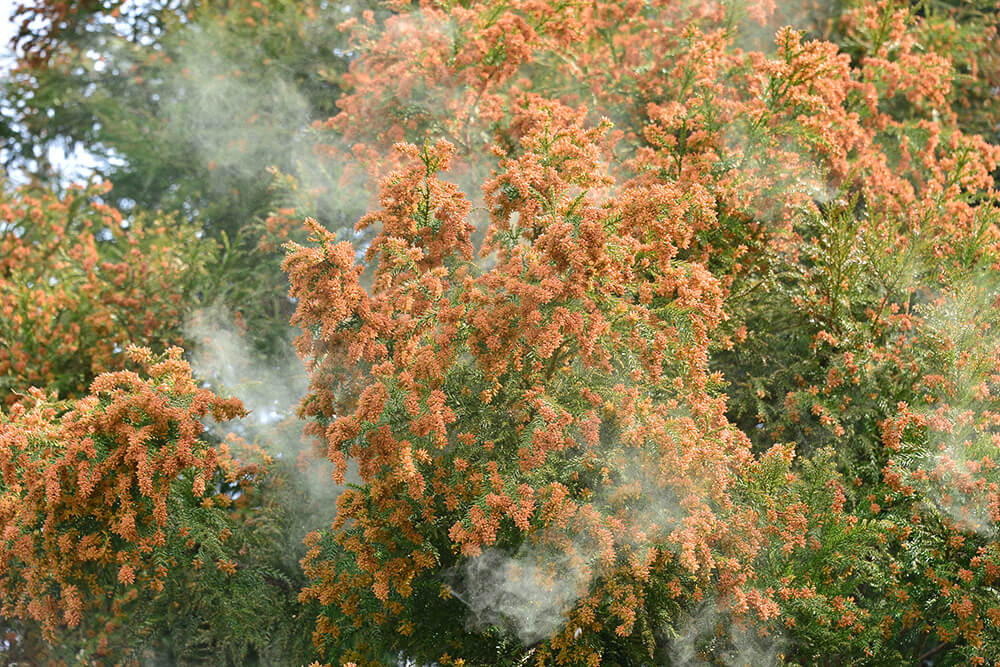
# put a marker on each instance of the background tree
(79, 282)
(190, 108)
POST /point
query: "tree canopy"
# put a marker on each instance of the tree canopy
(479, 333)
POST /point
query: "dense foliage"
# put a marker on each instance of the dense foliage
(634, 333)
(79, 282)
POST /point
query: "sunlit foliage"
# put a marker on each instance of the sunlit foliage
(666, 333)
